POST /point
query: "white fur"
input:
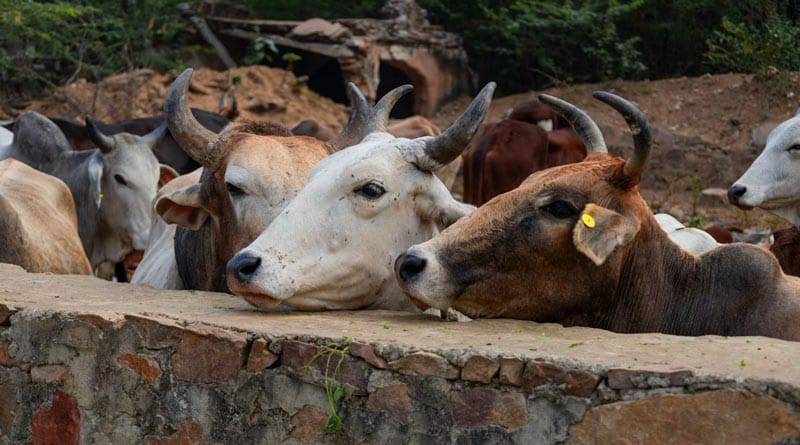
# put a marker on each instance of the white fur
(332, 248)
(773, 180)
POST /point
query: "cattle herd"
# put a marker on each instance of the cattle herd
(292, 219)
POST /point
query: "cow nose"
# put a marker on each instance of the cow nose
(736, 192)
(244, 266)
(408, 266)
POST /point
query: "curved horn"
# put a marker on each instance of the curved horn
(353, 132)
(105, 143)
(152, 138)
(642, 138)
(379, 115)
(194, 138)
(580, 122)
(442, 149)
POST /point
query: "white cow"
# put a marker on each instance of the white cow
(334, 245)
(6, 137)
(773, 180)
(690, 239)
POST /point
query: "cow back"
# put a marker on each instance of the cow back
(38, 223)
(502, 157)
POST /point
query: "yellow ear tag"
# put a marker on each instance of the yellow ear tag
(588, 221)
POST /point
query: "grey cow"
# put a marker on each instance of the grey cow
(113, 185)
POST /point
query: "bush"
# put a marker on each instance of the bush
(740, 47)
(528, 44)
(44, 44)
(303, 9)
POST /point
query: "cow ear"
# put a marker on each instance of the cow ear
(183, 207)
(439, 206)
(95, 170)
(166, 174)
(599, 231)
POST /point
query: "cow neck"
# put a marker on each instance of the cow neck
(728, 291)
(72, 168)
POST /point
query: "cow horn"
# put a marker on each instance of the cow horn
(353, 132)
(195, 139)
(443, 149)
(105, 143)
(580, 122)
(379, 115)
(152, 138)
(637, 122)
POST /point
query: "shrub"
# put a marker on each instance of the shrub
(44, 44)
(740, 47)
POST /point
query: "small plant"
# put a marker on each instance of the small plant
(696, 187)
(335, 392)
(696, 221)
(261, 50)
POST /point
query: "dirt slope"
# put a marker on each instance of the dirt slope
(263, 94)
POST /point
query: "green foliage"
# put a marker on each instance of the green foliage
(741, 47)
(533, 43)
(47, 43)
(303, 9)
(335, 392)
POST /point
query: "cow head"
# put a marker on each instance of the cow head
(250, 172)
(124, 181)
(543, 250)
(773, 180)
(334, 245)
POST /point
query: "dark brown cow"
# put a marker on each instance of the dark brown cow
(532, 138)
(578, 245)
(786, 249)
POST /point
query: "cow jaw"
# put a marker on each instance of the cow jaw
(334, 245)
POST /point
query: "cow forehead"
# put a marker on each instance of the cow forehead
(266, 155)
(378, 154)
(784, 134)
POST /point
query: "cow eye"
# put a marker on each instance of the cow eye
(795, 147)
(120, 180)
(234, 190)
(371, 191)
(561, 209)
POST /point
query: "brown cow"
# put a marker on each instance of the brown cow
(38, 222)
(786, 249)
(578, 245)
(530, 139)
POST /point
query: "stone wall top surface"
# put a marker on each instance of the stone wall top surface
(756, 358)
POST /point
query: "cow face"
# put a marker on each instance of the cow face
(247, 188)
(334, 245)
(543, 250)
(124, 184)
(773, 180)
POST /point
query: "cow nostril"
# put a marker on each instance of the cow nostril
(408, 266)
(244, 266)
(736, 192)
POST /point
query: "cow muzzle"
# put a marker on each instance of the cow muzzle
(735, 195)
(423, 280)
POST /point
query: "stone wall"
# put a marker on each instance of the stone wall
(86, 361)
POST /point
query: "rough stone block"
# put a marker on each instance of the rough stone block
(480, 369)
(260, 358)
(58, 423)
(424, 364)
(367, 353)
(208, 355)
(478, 407)
(511, 370)
(141, 365)
(714, 417)
(392, 399)
(573, 382)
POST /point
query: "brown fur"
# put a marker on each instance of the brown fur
(787, 249)
(38, 222)
(508, 151)
(511, 258)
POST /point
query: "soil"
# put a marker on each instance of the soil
(262, 93)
